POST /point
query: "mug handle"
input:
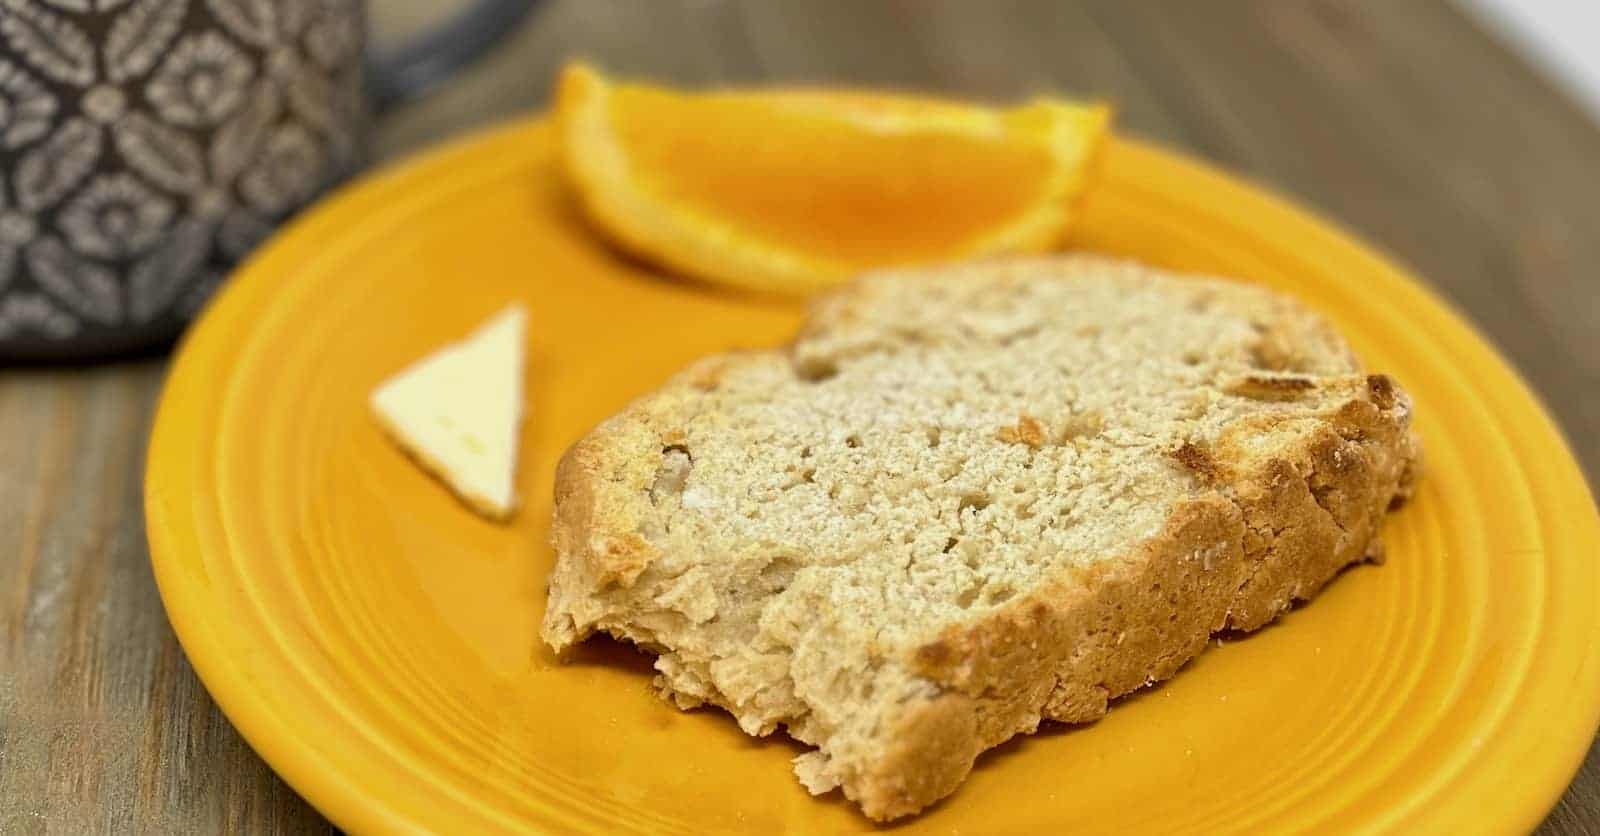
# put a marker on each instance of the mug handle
(398, 75)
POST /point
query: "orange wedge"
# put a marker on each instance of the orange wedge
(793, 190)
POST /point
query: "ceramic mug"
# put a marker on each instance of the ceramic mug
(147, 145)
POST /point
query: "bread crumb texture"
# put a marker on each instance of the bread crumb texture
(972, 498)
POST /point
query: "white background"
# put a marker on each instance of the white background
(1560, 37)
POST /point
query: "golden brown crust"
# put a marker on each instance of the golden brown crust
(596, 525)
(1382, 390)
(1271, 387)
(934, 746)
(1097, 631)
(1197, 461)
(1234, 557)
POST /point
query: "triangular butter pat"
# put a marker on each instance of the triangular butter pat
(458, 412)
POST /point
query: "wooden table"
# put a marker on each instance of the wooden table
(1401, 118)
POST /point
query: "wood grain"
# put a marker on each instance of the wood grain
(1401, 119)
(103, 726)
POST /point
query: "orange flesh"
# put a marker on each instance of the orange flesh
(827, 186)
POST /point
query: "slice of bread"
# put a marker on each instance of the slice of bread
(972, 498)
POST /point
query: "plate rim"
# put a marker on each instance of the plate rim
(339, 795)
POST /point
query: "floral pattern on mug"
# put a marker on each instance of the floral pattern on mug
(201, 82)
(115, 216)
(147, 145)
(26, 107)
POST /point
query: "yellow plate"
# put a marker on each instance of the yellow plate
(374, 641)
